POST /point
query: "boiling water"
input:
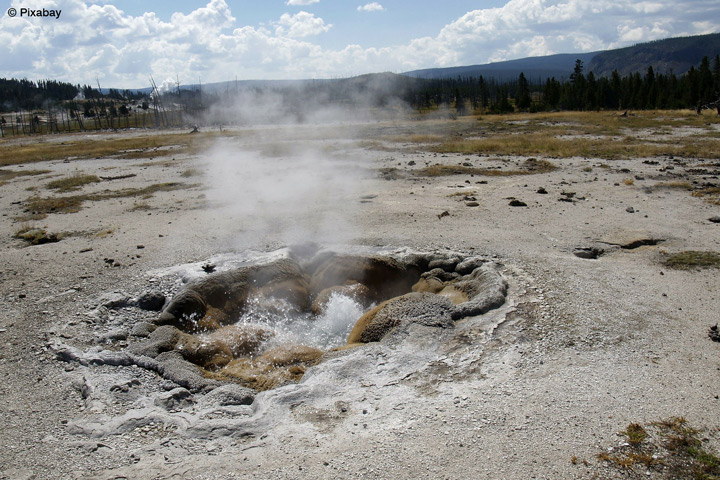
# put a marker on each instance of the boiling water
(325, 331)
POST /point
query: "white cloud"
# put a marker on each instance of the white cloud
(371, 7)
(301, 2)
(122, 50)
(302, 24)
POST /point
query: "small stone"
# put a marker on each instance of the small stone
(517, 203)
(140, 247)
(472, 204)
(714, 219)
(542, 191)
(630, 210)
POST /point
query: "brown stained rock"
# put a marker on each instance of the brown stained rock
(293, 290)
(422, 308)
(357, 291)
(285, 355)
(203, 351)
(278, 366)
(213, 319)
(242, 340)
(429, 285)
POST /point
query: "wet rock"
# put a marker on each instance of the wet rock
(151, 301)
(278, 366)
(174, 400)
(424, 308)
(229, 291)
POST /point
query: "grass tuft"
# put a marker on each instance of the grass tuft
(693, 259)
(72, 183)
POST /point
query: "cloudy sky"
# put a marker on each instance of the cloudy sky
(123, 42)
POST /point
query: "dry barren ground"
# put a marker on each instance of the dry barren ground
(601, 334)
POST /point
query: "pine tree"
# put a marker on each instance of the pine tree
(522, 98)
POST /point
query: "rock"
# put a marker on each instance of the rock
(242, 339)
(517, 203)
(444, 214)
(114, 300)
(114, 335)
(230, 394)
(446, 263)
(290, 355)
(424, 308)
(276, 367)
(542, 191)
(429, 285)
(468, 265)
(175, 399)
(229, 291)
(714, 219)
(472, 204)
(630, 210)
(441, 274)
(143, 329)
(714, 333)
(485, 288)
(151, 301)
(589, 253)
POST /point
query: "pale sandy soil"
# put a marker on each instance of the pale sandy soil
(581, 349)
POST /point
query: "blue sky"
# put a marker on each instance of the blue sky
(123, 42)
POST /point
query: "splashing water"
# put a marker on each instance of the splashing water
(325, 331)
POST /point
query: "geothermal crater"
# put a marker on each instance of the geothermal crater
(263, 325)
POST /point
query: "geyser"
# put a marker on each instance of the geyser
(263, 325)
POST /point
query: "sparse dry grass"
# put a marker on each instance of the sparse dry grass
(15, 153)
(668, 448)
(693, 259)
(191, 172)
(530, 166)
(72, 204)
(72, 183)
(6, 175)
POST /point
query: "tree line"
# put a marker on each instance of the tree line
(694, 89)
(24, 94)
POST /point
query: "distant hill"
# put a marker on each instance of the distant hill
(672, 54)
(559, 66)
(676, 54)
